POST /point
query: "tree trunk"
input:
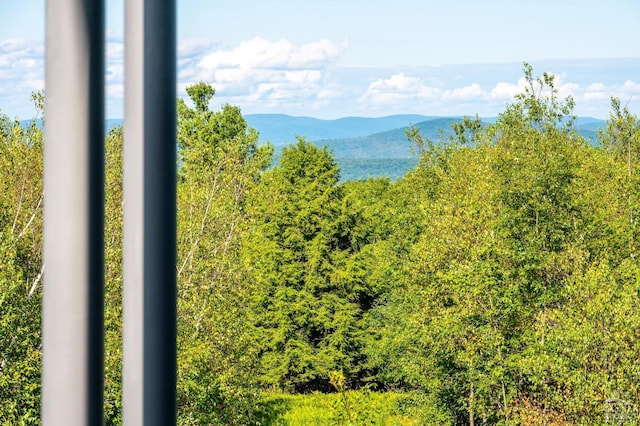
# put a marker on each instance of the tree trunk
(471, 403)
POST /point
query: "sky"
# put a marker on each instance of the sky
(336, 58)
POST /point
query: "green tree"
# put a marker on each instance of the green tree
(113, 224)
(580, 355)
(584, 353)
(21, 167)
(308, 288)
(219, 162)
(621, 139)
(500, 224)
(447, 334)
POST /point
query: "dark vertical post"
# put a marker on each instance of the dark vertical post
(72, 373)
(149, 396)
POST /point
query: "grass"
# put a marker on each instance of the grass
(343, 408)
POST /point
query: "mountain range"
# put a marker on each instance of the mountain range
(370, 147)
(365, 147)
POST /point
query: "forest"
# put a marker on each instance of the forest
(498, 282)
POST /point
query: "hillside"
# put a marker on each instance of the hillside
(392, 143)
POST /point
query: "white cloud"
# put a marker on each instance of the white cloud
(259, 70)
(114, 49)
(397, 83)
(261, 75)
(303, 76)
(597, 92)
(401, 89)
(404, 92)
(631, 87)
(330, 92)
(114, 76)
(397, 89)
(506, 91)
(259, 53)
(190, 53)
(466, 93)
(21, 72)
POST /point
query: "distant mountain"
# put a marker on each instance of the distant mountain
(281, 129)
(385, 153)
(589, 121)
(108, 123)
(372, 153)
(392, 143)
(588, 127)
(364, 147)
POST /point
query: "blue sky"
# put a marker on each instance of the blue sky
(333, 58)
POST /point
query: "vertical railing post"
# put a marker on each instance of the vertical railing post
(149, 371)
(72, 376)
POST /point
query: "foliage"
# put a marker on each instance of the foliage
(497, 282)
(219, 164)
(21, 168)
(113, 277)
(514, 230)
(305, 300)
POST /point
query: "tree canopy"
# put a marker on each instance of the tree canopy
(497, 283)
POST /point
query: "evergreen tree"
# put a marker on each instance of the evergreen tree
(307, 293)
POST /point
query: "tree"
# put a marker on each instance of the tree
(622, 135)
(621, 140)
(500, 220)
(113, 224)
(584, 353)
(219, 162)
(21, 168)
(307, 291)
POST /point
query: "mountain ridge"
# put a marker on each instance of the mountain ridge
(364, 146)
(282, 129)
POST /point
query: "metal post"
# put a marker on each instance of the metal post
(72, 373)
(149, 371)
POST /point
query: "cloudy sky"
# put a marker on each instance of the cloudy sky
(335, 58)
